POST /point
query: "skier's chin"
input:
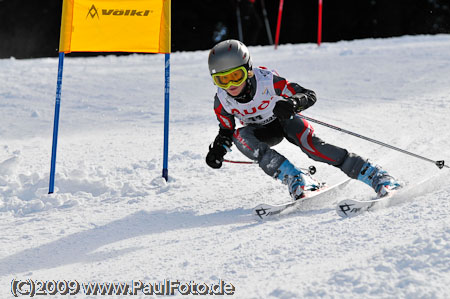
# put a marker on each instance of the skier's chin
(235, 90)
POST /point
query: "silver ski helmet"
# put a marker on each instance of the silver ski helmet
(227, 55)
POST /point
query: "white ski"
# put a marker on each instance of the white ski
(264, 211)
(350, 207)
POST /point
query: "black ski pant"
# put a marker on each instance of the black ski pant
(255, 142)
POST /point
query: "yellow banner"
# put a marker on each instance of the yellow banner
(115, 26)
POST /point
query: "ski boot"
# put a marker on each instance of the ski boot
(299, 183)
(378, 179)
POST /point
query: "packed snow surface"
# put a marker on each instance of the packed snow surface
(113, 218)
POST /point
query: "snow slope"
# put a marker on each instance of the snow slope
(113, 219)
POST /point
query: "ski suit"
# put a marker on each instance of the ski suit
(262, 129)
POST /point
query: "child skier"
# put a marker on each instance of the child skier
(267, 105)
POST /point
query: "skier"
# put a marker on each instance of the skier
(267, 106)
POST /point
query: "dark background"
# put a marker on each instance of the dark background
(30, 28)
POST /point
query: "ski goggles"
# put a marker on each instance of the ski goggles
(233, 77)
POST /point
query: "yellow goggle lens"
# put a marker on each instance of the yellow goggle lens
(233, 77)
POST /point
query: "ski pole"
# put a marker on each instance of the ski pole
(240, 162)
(439, 164)
(238, 17)
(311, 169)
(266, 22)
(277, 34)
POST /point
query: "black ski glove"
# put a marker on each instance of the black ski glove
(217, 151)
(289, 106)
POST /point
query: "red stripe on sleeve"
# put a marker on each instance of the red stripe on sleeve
(290, 88)
(225, 121)
(280, 85)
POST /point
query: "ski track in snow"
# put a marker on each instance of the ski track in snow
(114, 219)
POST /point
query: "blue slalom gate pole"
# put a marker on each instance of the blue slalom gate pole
(165, 171)
(56, 122)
